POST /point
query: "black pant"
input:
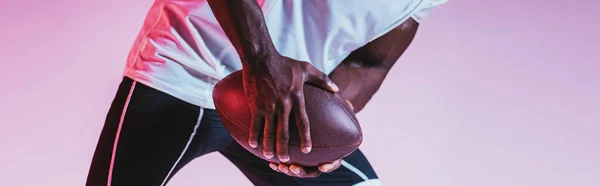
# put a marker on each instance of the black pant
(149, 136)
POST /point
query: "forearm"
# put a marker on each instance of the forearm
(358, 84)
(361, 74)
(244, 25)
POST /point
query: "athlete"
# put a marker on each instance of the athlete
(163, 114)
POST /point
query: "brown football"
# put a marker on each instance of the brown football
(334, 129)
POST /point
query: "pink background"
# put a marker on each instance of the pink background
(491, 93)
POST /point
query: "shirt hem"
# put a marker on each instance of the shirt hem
(179, 93)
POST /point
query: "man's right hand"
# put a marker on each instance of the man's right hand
(273, 83)
(274, 90)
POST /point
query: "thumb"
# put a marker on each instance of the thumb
(320, 79)
(350, 104)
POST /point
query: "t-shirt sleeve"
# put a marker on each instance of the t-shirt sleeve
(425, 8)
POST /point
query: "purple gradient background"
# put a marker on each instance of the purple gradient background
(491, 93)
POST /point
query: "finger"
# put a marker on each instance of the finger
(320, 79)
(283, 135)
(350, 104)
(269, 136)
(301, 172)
(274, 167)
(330, 167)
(296, 170)
(326, 167)
(256, 126)
(302, 123)
(284, 168)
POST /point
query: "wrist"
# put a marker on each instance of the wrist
(260, 58)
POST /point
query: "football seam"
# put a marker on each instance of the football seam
(347, 113)
(351, 117)
(247, 130)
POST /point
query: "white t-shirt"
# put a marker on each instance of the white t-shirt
(183, 51)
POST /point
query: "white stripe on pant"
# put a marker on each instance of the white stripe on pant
(116, 142)
(186, 147)
(367, 182)
(114, 151)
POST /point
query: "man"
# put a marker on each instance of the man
(163, 116)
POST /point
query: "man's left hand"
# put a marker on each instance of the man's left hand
(306, 172)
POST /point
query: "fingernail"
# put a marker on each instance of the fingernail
(335, 87)
(268, 155)
(273, 166)
(285, 170)
(350, 104)
(306, 150)
(252, 144)
(327, 167)
(284, 159)
(295, 170)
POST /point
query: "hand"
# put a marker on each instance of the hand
(274, 90)
(308, 172)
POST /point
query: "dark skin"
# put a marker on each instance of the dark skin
(359, 77)
(273, 83)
